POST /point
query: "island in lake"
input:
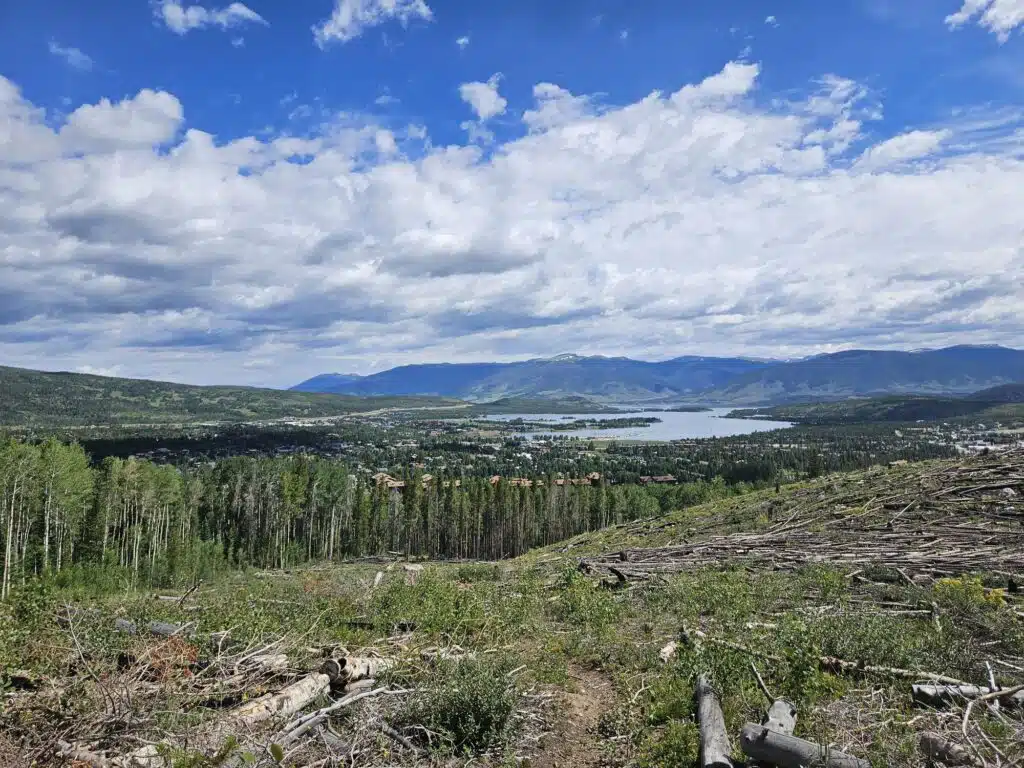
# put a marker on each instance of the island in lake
(523, 425)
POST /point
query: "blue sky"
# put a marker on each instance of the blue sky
(257, 193)
(904, 49)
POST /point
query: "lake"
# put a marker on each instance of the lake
(673, 425)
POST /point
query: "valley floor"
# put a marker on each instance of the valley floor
(840, 594)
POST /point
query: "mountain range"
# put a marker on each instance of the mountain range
(726, 381)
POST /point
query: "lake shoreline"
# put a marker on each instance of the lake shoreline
(671, 425)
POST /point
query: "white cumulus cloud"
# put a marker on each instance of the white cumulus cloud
(903, 148)
(353, 17)
(462, 42)
(486, 103)
(149, 119)
(484, 97)
(73, 56)
(181, 19)
(1001, 17)
(693, 221)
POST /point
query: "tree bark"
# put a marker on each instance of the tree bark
(286, 702)
(785, 751)
(714, 739)
(935, 747)
(941, 695)
(350, 668)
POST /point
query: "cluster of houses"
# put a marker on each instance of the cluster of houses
(383, 478)
(658, 480)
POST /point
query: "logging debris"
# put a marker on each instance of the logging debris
(945, 523)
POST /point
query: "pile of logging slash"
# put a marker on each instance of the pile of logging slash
(957, 519)
(262, 695)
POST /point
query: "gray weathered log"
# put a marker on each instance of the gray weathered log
(781, 717)
(935, 747)
(941, 695)
(714, 739)
(785, 751)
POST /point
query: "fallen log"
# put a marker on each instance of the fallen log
(786, 751)
(941, 695)
(832, 664)
(351, 668)
(935, 748)
(285, 702)
(714, 739)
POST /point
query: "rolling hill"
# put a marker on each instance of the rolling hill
(996, 403)
(723, 381)
(958, 370)
(38, 399)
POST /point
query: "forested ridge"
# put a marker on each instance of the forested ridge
(43, 399)
(159, 523)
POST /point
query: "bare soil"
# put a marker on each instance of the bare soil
(575, 742)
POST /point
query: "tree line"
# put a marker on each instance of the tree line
(157, 523)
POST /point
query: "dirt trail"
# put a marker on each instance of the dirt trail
(575, 742)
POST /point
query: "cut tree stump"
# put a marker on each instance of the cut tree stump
(781, 717)
(786, 751)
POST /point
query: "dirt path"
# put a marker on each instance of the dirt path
(575, 742)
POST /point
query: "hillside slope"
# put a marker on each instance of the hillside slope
(951, 371)
(563, 661)
(37, 398)
(932, 518)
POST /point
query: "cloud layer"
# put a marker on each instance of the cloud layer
(1000, 17)
(182, 19)
(351, 18)
(700, 220)
(73, 56)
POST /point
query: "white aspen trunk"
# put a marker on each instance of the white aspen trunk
(46, 525)
(8, 543)
(60, 544)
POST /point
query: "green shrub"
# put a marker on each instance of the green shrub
(583, 604)
(434, 604)
(472, 572)
(678, 744)
(469, 702)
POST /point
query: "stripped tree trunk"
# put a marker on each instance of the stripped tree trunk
(939, 695)
(714, 739)
(786, 751)
(286, 702)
